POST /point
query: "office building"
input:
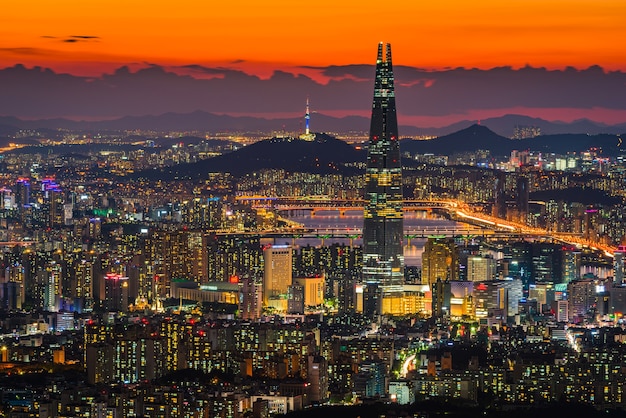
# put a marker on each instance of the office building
(439, 261)
(497, 298)
(313, 288)
(618, 265)
(480, 268)
(383, 259)
(277, 276)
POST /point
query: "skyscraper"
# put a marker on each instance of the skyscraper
(383, 260)
(522, 198)
(439, 261)
(480, 268)
(499, 196)
(251, 297)
(277, 276)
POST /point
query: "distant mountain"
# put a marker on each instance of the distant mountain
(7, 130)
(472, 138)
(194, 121)
(505, 125)
(324, 155)
(478, 137)
(327, 155)
(37, 92)
(211, 122)
(606, 144)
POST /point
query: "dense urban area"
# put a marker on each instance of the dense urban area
(194, 274)
(129, 296)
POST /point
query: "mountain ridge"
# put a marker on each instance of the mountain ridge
(479, 137)
(324, 155)
(212, 122)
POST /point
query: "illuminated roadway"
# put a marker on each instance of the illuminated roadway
(14, 243)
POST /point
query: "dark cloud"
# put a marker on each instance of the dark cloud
(203, 72)
(203, 69)
(156, 90)
(29, 51)
(79, 38)
(355, 72)
(73, 38)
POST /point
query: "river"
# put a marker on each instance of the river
(328, 219)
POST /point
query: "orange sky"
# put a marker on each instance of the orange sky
(284, 33)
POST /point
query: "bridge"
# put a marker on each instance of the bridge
(479, 224)
(351, 234)
(316, 204)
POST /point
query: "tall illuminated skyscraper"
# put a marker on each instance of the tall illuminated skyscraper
(277, 276)
(383, 260)
(439, 261)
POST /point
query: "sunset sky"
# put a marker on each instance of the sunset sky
(81, 36)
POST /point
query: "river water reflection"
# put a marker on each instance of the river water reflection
(329, 219)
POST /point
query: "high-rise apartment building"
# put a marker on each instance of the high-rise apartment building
(383, 259)
(177, 255)
(83, 271)
(581, 298)
(116, 292)
(521, 197)
(571, 259)
(233, 254)
(499, 196)
(251, 297)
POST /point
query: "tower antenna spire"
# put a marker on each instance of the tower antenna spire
(307, 117)
(307, 135)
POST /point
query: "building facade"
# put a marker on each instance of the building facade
(383, 259)
(277, 276)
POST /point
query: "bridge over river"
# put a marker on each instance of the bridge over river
(465, 223)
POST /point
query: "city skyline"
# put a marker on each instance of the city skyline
(552, 63)
(142, 277)
(160, 257)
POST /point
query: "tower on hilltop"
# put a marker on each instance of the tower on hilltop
(383, 259)
(307, 135)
